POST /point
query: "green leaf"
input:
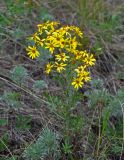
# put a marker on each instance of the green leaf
(67, 147)
(3, 122)
(23, 122)
(46, 145)
(39, 84)
(12, 99)
(19, 74)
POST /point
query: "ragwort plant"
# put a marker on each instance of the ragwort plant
(70, 66)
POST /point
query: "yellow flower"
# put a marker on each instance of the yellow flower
(49, 33)
(54, 23)
(77, 31)
(51, 46)
(64, 31)
(80, 70)
(50, 38)
(62, 43)
(32, 52)
(85, 75)
(50, 25)
(78, 54)
(89, 60)
(49, 67)
(62, 57)
(35, 37)
(87, 78)
(40, 28)
(84, 54)
(41, 42)
(73, 43)
(77, 82)
(57, 36)
(60, 66)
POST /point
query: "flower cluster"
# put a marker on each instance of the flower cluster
(63, 44)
